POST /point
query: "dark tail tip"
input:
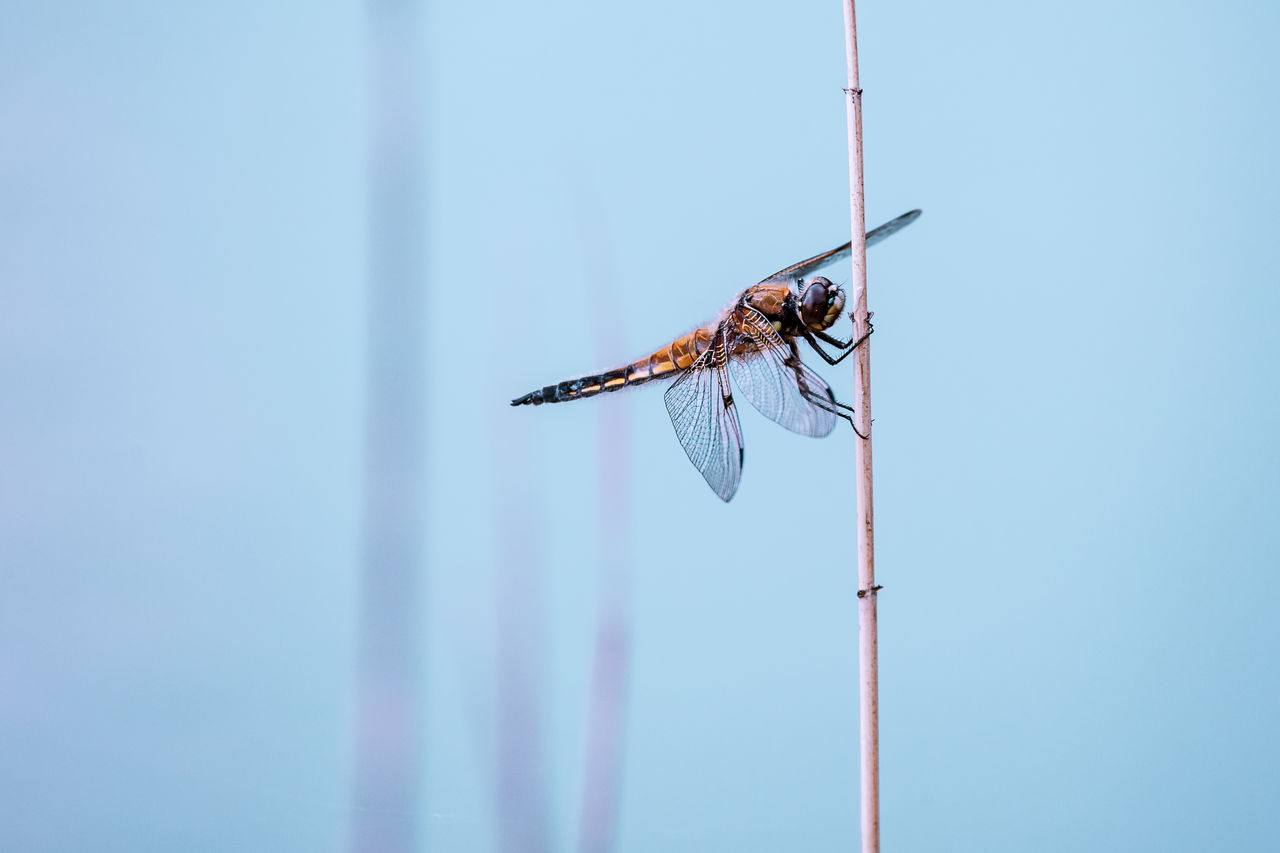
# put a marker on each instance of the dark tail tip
(532, 398)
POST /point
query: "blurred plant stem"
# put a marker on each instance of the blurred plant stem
(602, 770)
(606, 721)
(388, 740)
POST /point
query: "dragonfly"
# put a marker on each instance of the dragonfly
(753, 346)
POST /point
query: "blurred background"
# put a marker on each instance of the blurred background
(280, 569)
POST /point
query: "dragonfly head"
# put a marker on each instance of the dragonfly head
(821, 304)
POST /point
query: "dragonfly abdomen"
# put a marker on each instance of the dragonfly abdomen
(666, 362)
(586, 386)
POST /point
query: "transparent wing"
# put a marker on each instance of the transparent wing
(817, 262)
(893, 226)
(777, 383)
(706, 420)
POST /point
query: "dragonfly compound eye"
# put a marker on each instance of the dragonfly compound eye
(821, 303)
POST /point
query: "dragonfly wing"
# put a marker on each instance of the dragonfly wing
(817, 262)
(777, 383)
(893, 226)
(706, 420)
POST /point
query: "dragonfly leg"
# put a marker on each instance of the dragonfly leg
(839, 344)
(834, 341)
(847, 346)
(827, 403)
(834, 407)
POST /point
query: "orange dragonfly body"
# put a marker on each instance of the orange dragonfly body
(752, 346)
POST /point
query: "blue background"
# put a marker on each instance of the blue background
(1075, 392)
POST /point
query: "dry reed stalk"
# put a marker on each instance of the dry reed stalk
(868, 686)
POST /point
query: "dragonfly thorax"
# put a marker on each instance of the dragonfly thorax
(821, 304)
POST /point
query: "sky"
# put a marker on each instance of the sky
(1074, 389)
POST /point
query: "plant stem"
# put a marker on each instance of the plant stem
(868, 689)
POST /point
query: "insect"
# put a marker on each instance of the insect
(751, 345)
